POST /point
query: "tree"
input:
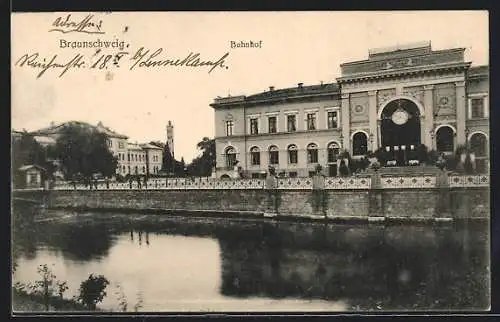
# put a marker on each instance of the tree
(168, 160)
(84, 152)
(26, 150)
(92, 291)
(203, 164)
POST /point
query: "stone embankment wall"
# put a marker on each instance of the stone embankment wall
(369, 199)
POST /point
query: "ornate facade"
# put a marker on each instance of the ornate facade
(397, 99)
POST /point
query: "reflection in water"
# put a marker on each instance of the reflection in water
(201, 264)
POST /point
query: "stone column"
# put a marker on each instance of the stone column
(346, 122)
(372, 108)
(460, 112)
(427, 126)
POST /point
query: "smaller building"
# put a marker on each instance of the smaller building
(33, 175)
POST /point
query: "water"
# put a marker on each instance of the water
(192, 264)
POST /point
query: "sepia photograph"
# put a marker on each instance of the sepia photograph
(246, 162)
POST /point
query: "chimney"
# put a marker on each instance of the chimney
(300, 85)
(271, 88)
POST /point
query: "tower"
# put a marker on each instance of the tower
(170, 137)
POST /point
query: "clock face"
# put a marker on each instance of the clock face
(400, 117)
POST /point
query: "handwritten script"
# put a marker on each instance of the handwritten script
(87, 25)
(143, 58)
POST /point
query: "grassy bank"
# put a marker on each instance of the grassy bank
(24, 302)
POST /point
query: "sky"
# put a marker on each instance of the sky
(297, 47)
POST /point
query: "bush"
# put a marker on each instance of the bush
(48, 286)
(92, 291)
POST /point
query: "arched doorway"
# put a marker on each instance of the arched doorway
(445, 139)
(400, 128)
(230, 154)
(479, 146)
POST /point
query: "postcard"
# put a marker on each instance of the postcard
(234, 162)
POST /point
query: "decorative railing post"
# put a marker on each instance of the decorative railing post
(273, 194)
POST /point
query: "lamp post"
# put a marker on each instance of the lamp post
(403, 147)
(371, 142)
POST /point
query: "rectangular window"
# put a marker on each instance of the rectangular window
(255, 175)
(120, 145)
(292, 174)
(255, 158)
(332, 120)
(229, 128)
(128, 157)
(291, 123)
(312, 173)
(292, 156)
(110, 143)
(254, 126)
(477, 108)
(274, 157)
(312, 156)
(272, 124)
(311, 121)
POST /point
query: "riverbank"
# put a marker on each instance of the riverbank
(24, 302)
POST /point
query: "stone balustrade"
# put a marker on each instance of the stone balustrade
(327, 183)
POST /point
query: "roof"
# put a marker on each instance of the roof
(483, 70)
(42, 139)
(31, 166)
(294, 91)
(150, 146)
(134, 146)
(291, 92)
(57, 128)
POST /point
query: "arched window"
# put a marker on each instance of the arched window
(444, 139)
(124, 169)
(479, 144)
(312, 153)
(359, 144)
(333, 152)
(255, 155)
(273, 155)
(230, 157)
(292, 154)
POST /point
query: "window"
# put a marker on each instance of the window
(272, 124)
(230, 157)
(292, 154)
(312, 153)
(255, 175)
(444, 139)
(124, 169)
(332, 120)
(128, 157)
(477, 107)
(292, 174)
(359, 144)
(229, 128)
(254, 126)
(120, 144)
(136, 170)
(478, 144)
(333, 152)
(273, 155)
(110, 143)
(291, 123)
(255, 155)
(311, 121)
(128, 169)
(143, 169)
